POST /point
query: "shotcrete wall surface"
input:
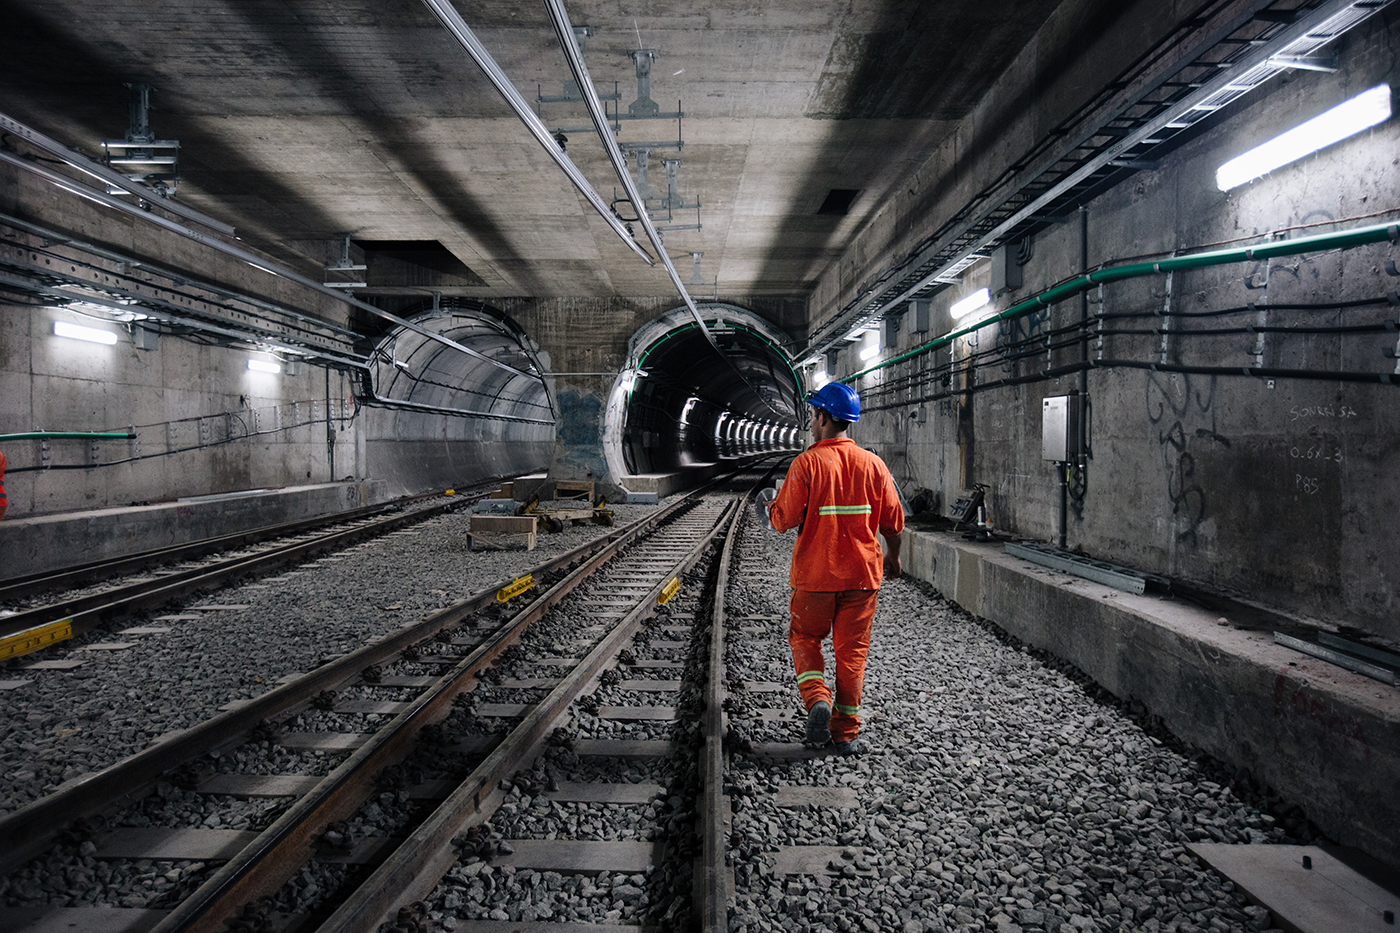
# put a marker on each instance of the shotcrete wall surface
(1279, 490)
(1326, 739)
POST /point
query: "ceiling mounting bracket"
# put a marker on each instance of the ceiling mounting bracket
(345, 266)
(139, 155)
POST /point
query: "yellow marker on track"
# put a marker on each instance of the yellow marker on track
(669, 590)
(32, 639)
(515, 587)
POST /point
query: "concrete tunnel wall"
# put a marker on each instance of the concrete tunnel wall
(1282, 491)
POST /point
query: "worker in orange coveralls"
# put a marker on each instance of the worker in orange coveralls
(839, 496)
(4, 503)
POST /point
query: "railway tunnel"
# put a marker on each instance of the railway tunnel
(1115, 284)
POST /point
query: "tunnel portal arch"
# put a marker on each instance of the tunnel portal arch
(677, 403)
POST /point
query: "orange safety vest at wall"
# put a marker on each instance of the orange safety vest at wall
(842, 496)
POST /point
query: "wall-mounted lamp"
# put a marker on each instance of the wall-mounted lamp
(870, 352)
(263, 366)
(1363, 111)
(79, 332)
(977, 300)
(820, 378)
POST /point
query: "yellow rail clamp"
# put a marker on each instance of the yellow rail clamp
(32, 639)
(672, 587)
(515, 587)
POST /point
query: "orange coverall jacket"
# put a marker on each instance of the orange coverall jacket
(840, 496)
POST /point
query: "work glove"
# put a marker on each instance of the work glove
(760, 505)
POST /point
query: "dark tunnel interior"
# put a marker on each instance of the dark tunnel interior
(690, 405)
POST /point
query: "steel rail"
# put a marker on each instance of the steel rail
(86, 613)
(262, 867)
(32, 829)
(714, 881)
(83, 191)
(427, 854)
(468, 40)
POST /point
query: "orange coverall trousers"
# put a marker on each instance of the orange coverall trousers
(846, 617)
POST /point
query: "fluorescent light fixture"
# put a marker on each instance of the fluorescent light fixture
(79, 332)
(820, 378)
(263, 366)
(1363, 111)
(870, 352)
(978, 299)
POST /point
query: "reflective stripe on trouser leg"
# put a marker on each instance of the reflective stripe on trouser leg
(812, 615)
(850, 636)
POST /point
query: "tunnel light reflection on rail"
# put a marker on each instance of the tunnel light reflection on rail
(263, 366)
(79, 332)
(1363, 111)
(974, 302)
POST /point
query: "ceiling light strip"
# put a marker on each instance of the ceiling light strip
(565, 30)
(463, 34)
(1315, 29)
(106, 200)
(99, 171)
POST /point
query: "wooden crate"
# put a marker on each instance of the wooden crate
(502, 531)
(573, 489)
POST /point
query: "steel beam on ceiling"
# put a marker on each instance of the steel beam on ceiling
(567, 40)
(468, 40)
(83, 191)
(1307, 32)
(101, 172)
(565, 31)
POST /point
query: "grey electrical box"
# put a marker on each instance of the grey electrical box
(1006, 271)
(890, 331)
(921, 308)
(1059, 428)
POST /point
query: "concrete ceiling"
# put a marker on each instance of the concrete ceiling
(301, 121)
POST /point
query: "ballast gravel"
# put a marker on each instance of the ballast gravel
(63, 724)
(1003, 794)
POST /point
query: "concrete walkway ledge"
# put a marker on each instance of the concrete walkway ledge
(51, 542)
(1325, 738)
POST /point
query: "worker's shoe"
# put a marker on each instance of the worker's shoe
(819, 723)
(856, 746)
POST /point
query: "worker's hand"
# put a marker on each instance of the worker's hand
(760, 505)
(893, 568)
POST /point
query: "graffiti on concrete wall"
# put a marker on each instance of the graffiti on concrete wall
(1178, 407)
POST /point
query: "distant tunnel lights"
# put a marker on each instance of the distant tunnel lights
(79, 332)
(263, 366)
(1363, 111)
(978, 299)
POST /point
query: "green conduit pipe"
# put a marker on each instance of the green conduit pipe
(66, 435)
(1325, 241)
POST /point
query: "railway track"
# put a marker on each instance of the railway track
(578, 757)
(169, 574)
(432, 673)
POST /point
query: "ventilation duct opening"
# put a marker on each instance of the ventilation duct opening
(415, 264)
(838, 201)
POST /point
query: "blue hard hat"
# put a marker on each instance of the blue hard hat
(836, 399)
